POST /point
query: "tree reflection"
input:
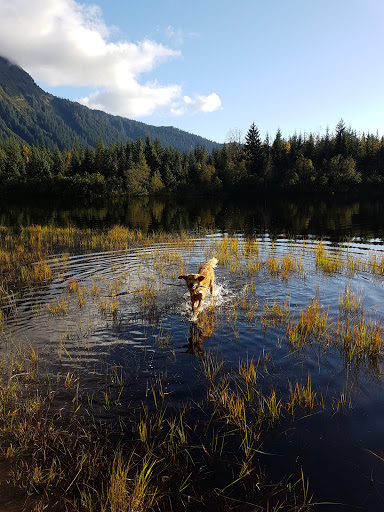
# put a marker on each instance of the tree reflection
(336, 219)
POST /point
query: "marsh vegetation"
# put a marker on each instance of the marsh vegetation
(112, 400)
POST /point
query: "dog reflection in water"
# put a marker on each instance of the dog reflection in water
(202, 328)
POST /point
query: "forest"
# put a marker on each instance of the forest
(337, 162)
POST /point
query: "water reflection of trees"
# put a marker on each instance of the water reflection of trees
(289, 217)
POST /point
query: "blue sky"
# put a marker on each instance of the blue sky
(209, 67)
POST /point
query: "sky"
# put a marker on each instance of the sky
(209, 67)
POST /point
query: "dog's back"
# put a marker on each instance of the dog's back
(207, 267)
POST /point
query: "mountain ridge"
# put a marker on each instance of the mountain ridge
(36, 117)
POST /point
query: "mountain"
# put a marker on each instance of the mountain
(35, 116)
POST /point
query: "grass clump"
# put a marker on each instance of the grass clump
(312, 324)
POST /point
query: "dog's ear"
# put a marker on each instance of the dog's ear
(201, 278)
(182, 277)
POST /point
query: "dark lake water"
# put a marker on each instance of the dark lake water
(338, 445)
(337, 220)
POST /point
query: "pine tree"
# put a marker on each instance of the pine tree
(340, 138)
(254, 152)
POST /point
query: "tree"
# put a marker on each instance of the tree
(254, 152)
(100, 157)
(340, 138)
(14, 163)
(166, 170)
(278, 157)
(342, 173)
(138, 177)
(156, 184)
(151, 156)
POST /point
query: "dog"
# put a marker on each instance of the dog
(198, 284)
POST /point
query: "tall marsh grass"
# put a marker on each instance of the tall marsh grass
(94, 450)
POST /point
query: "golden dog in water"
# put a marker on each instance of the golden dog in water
(198, 284)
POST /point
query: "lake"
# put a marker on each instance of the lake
(279, 379)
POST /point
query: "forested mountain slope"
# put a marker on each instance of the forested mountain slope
(35, 116)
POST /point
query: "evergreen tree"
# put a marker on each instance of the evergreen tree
(151, 156)
(13, 163)
(340, 139)
(167, 171)
(254, 152)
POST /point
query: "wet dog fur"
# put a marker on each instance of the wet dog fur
(199, 283)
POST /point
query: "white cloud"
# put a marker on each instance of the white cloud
(64, 43)
(139, 100)
(203, 103)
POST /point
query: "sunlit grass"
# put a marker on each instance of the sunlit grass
(275, 313)
(349, 302)
(160, 451)
(361, 339)
(376, 264)
(312, 323)
(301, 396)
(58, 307)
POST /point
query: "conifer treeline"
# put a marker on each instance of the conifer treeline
(341, 161)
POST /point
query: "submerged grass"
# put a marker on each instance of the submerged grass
(312, 323)
(155, 458)
(68, 449)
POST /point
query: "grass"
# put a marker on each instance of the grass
(349, 302)
(85, 449)
(152, 458)
(301, 396)
(312, 323)
(329, 262)
(275, 313)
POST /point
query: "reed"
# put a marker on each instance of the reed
(249, 371)
(349, 302)
(58, 307)
(275, 313)
(271, 407)
(328, 262)
(254, 266)
(342, 402)
(233, 406)
(211, 366)
(273, 265)
(290, 265)
(251, 248)
(163, 339)
(118, 493)
(42, 272)
(312, 323)
(376, 264)
(301, 396)
(143, 495)
(72, 285)
(361, 339)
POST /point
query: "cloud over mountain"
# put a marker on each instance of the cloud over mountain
(63, 42)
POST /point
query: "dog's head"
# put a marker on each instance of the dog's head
(193, 280)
